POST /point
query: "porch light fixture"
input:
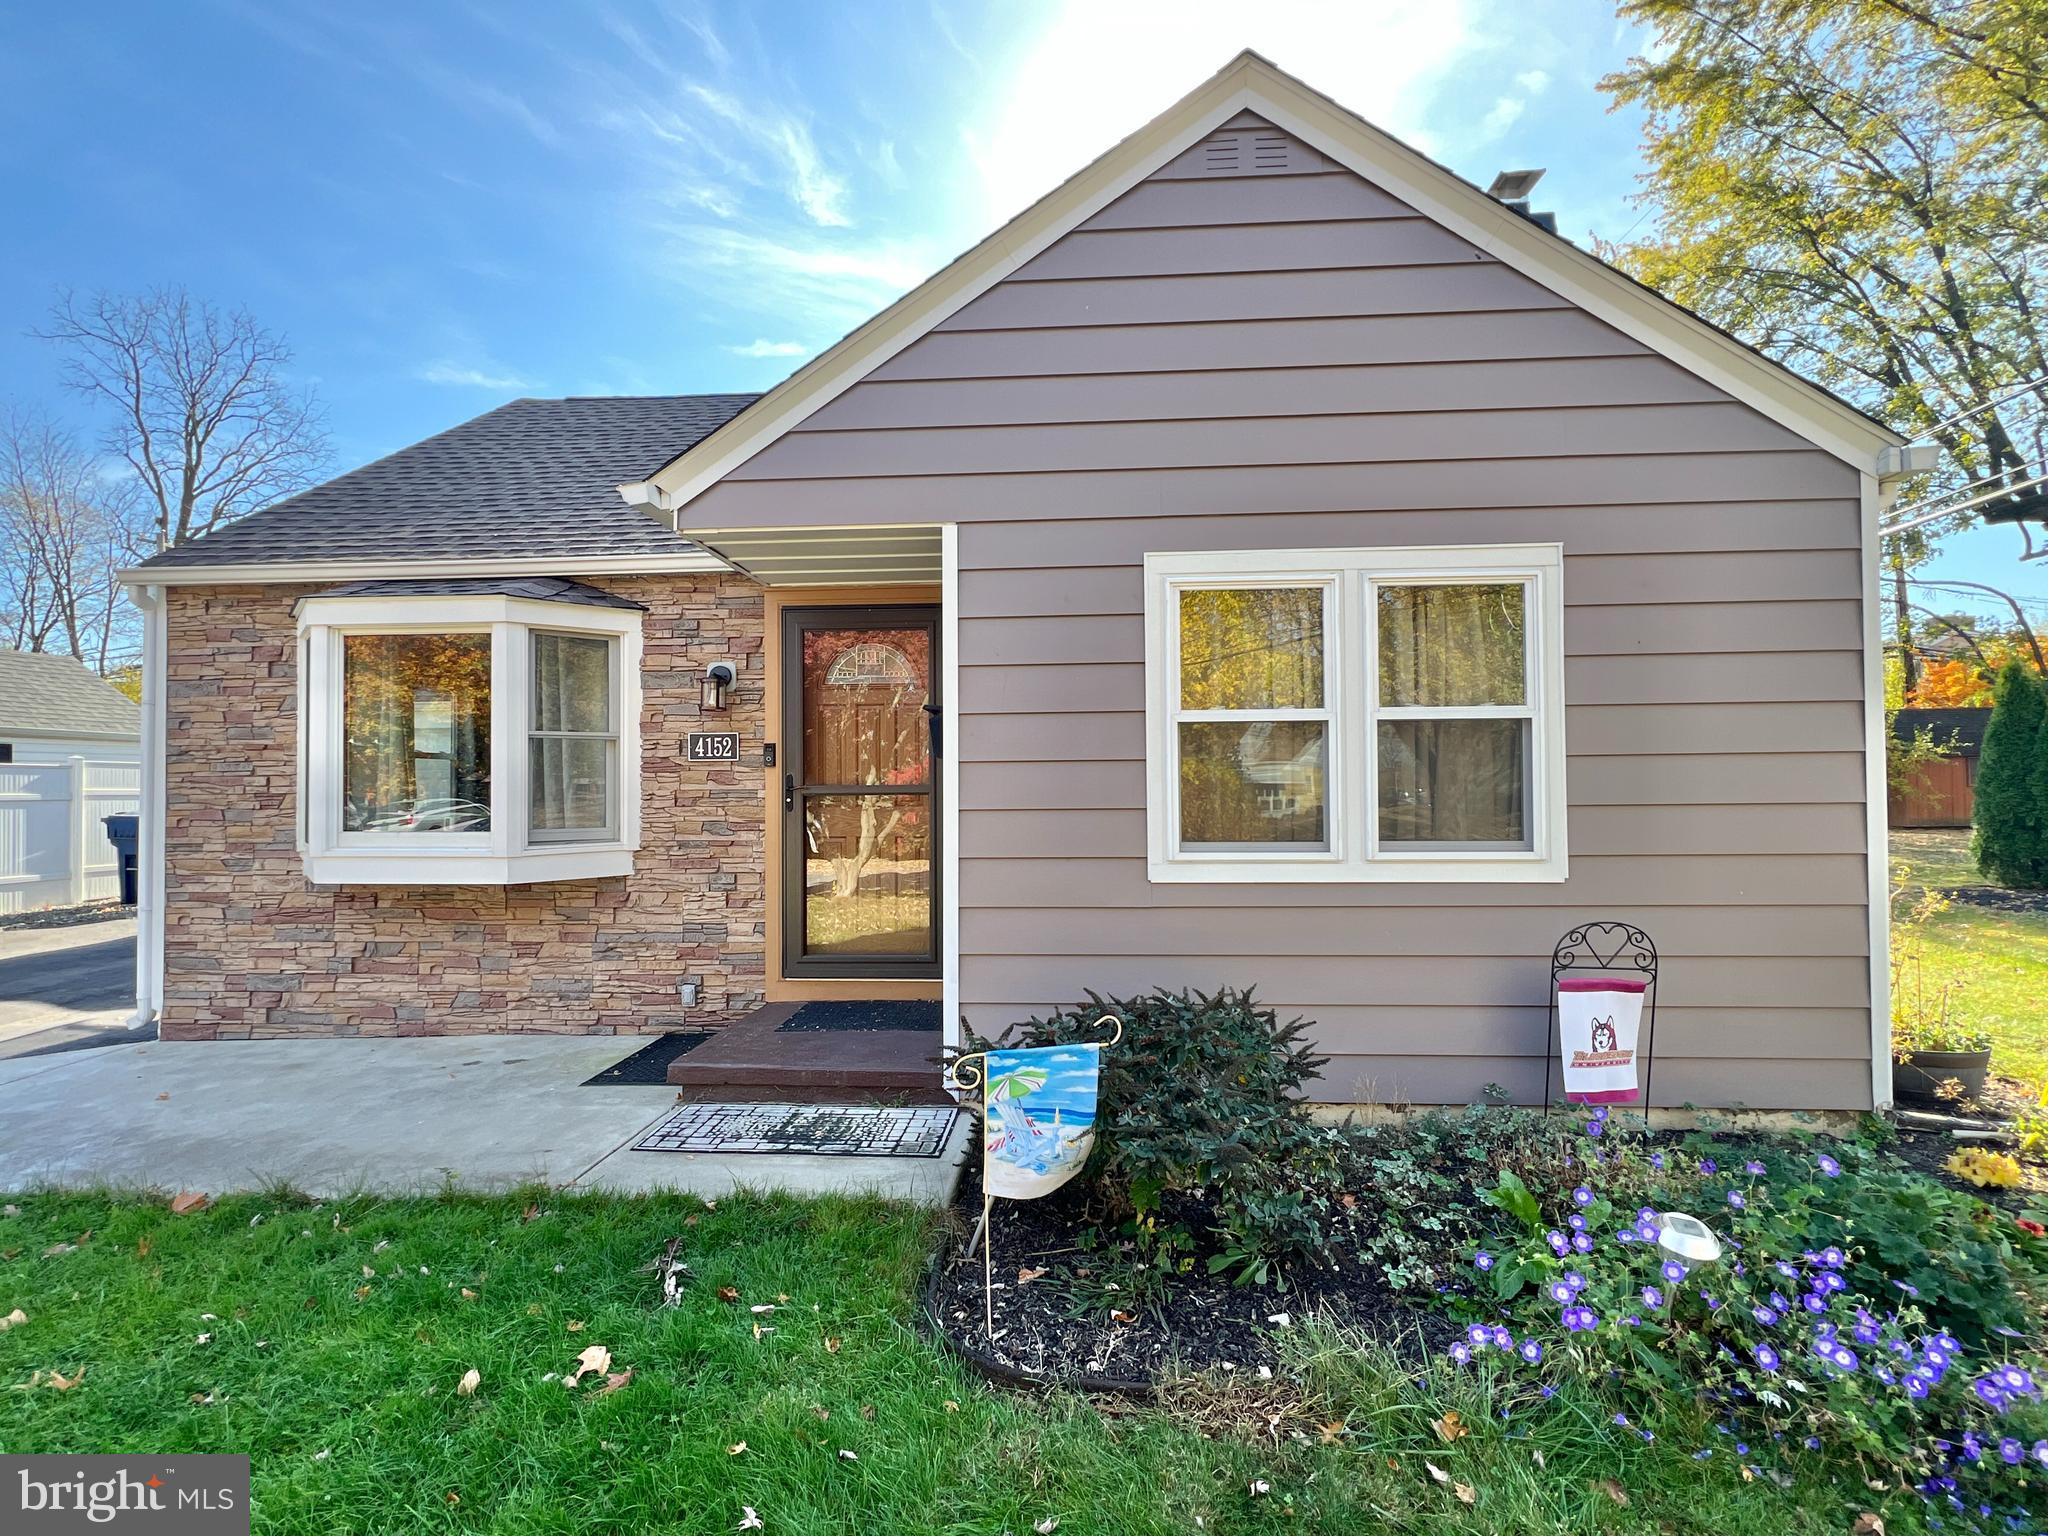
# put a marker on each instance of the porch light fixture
(1687, 1239)
(718, 679)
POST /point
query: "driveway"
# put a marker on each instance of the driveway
(61, 986)
(393, 1116)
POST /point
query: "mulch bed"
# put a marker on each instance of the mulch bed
(66, 917)
(1046, 1332)
(1925, 1150)
(1998, 899)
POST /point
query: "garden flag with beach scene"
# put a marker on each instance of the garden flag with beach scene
(1040, 1124)
(1597, 1021)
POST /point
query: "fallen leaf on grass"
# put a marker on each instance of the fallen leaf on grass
(533, 1309)
(369, 1273)
(749, 1521)
(1867, 1524)
(471, 1380)
(1260, 1487)
(1118, 1316)
(1540, 1462)
(766, 1309)
(596, 1358)
(759, 1331)
(1332, 1432)
(56, 1250)
(142, 1247)
(737, 1448)
(574, 1325)
(531, 1212)
(831, 1346)
(380, 1245)
(728, 1293)
(951, 1406)
(1435, 1471)
(613, 1382)
(454, 1497)
(58, 1381)
(468, 1294)
(846, 1455)
(13, 1319)
(1465, 1493)
(1450, 1426)
(1613, 1490)
(1047, 1526)
(1026, 1276)
(362, 1291)
(186, 1201)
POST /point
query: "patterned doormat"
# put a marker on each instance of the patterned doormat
(819, 1130)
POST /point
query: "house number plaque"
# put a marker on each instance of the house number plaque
(714, 746)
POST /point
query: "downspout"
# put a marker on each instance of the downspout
(149, 871)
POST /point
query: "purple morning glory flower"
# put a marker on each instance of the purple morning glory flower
(1595, 1128)
(1561, 1293)
(2040, 1452)
(1480, 1335)
(1712, 1305)
(1582, 1196)
(1766, 1357)
(1909, 1288)
(1708, 1165)
(1814, 1301)
(1845, 1357)
(1673, 1271)
(1621, 1419)
(1765, 1315)
(1813, 1442)
(1556, 1239)
(1582, 1242)
(1575, 1280)
(1778, 1300)
(1652, 1297)
(2015, 1379)
(1829, 1166)
(1830, 1282)
(1833, 1257)
(1580, 1319)
(1735, 1199)
(1462, 1353)
(1532, 1352)
(1753, 1167)
(1482, 1260)
(1989, 1392)
(2011, 1452)
(1502, 1339)
(1625, 1235)
(1576, 1222)
(1657, 1161)
(1645, 1216)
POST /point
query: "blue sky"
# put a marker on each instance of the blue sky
(445, 206)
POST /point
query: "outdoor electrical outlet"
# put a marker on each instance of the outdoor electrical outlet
(687, 990)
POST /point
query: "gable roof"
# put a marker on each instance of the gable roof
(532, 479)
(45, 695)
(1250, 83)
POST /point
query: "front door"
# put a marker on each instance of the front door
(860, 792)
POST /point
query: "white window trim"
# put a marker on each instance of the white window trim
(508, 854)
(1351, 683)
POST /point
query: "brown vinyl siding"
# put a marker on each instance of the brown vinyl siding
(1297, 360)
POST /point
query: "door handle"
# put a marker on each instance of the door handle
(933, 714)
(789, 791)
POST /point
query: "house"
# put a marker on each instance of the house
(53, 707)
(1268, 560)
(1944, 792)
(70, 753)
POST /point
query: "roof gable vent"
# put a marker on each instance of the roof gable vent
(1246, 150)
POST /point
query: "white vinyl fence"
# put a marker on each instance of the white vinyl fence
(53, 847)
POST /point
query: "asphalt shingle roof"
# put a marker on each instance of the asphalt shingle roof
(532, 478)
(47, 695)
(541, 589)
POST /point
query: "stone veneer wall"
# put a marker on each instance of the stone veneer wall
(253, 950)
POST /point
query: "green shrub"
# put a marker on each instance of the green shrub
(1201, 1141)
(2011, 841)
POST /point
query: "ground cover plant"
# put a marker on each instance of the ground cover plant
(334, 1343)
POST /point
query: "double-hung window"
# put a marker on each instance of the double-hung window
(467, 736)
(1355, 715)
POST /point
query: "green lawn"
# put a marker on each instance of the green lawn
(2000, 958)
(343, 1385)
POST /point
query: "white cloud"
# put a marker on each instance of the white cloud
(1097, 71)
(766, 348)
(464, 376)
(815, 189)
(802, 279)
(1502, 116)
(1534, 81)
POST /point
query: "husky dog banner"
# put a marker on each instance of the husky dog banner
(1598, 1018)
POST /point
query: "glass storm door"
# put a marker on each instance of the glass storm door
(859, 792)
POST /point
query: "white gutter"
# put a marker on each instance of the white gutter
(149, 864)
(683, 562)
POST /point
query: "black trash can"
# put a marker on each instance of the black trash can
(124, 832)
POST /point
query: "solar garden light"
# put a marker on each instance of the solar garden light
(1687, 1239)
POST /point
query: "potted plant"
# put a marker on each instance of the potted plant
(1938, 1060)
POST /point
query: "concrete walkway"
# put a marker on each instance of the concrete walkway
(59, 985)
(393, 1116)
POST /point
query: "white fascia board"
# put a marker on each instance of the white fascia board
(684, 562)
(1252, 84)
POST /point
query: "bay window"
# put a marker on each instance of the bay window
(469, 734)
(1355, 715)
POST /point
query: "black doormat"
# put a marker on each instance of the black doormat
(871, 1015)
(649, 1064)
(823, 1130)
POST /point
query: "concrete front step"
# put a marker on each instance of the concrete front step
(756, 1054)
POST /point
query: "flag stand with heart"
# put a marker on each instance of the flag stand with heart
(1603, 1012)
(1037, 1126)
